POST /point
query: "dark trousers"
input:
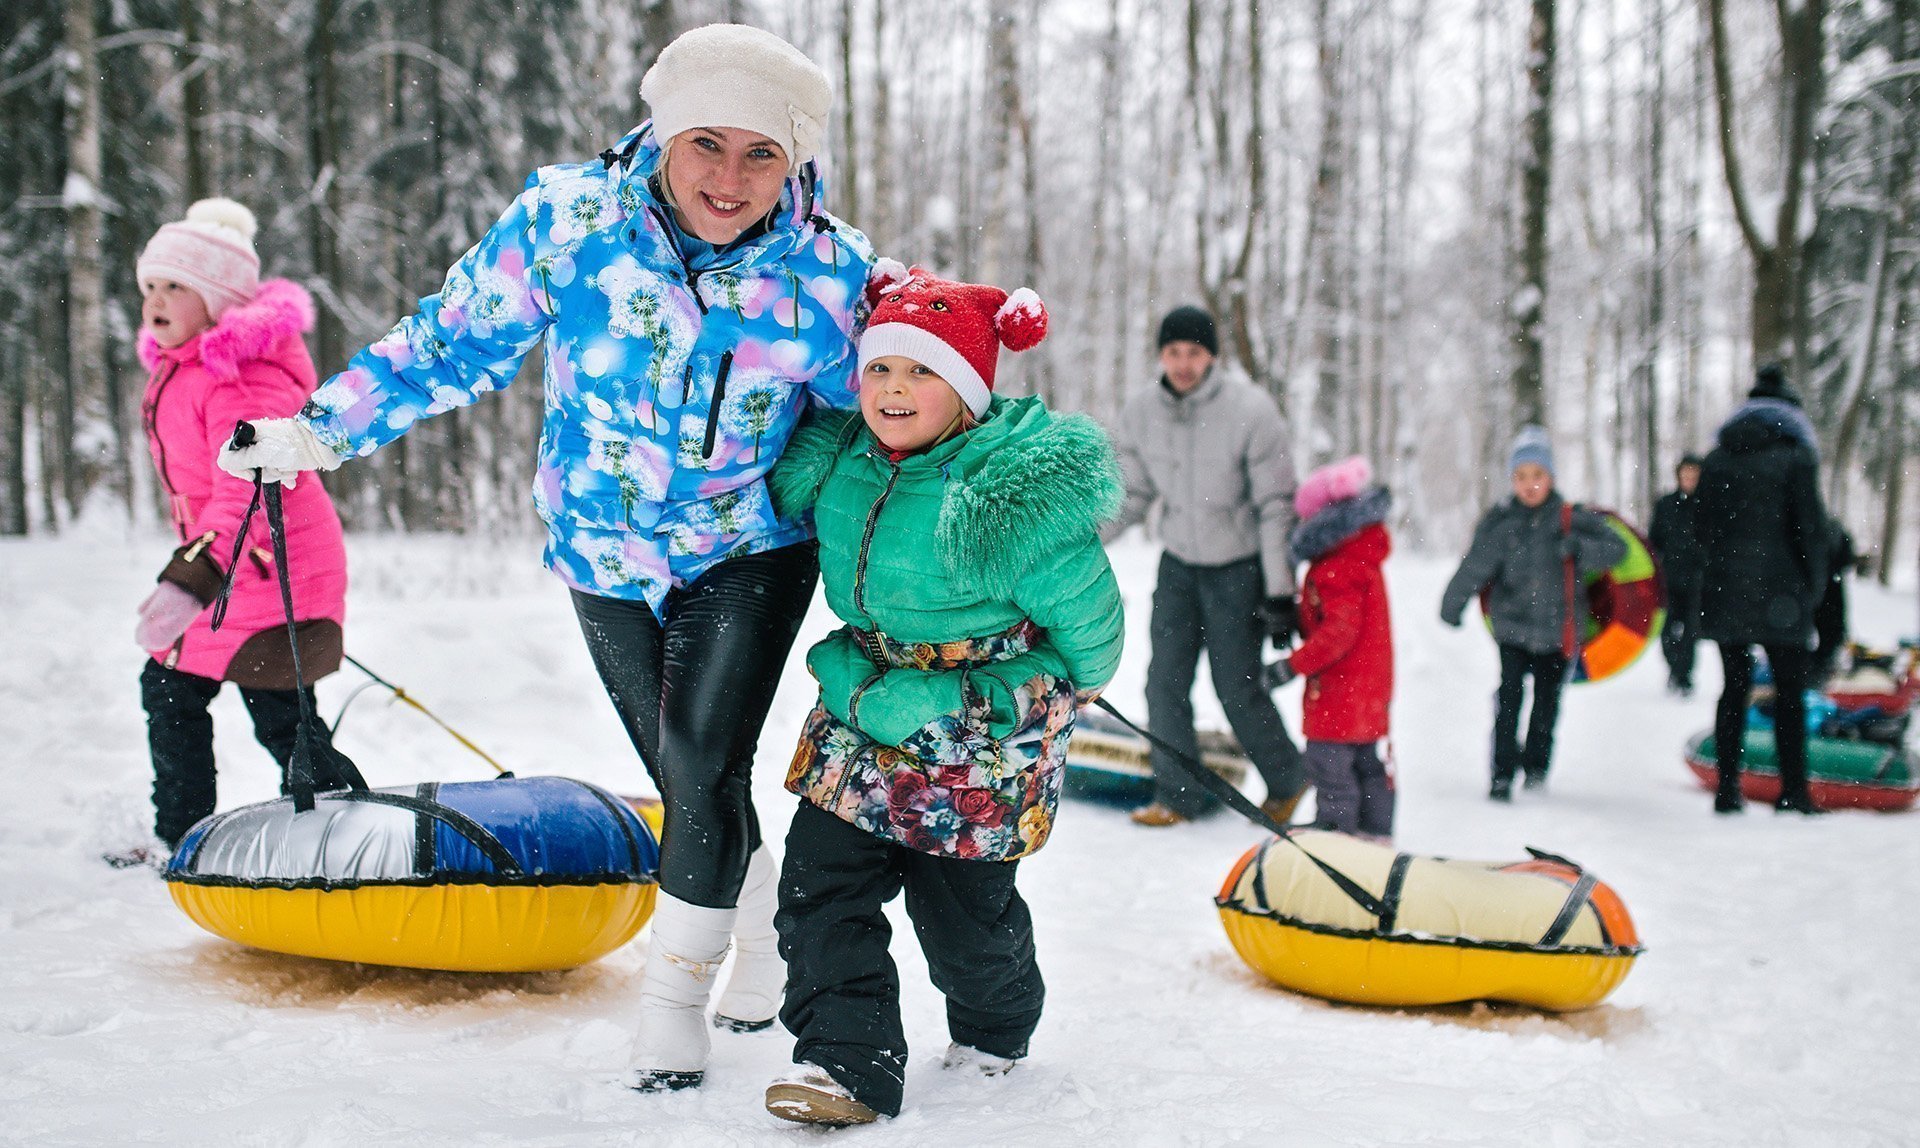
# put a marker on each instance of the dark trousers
(1549, 674)
(693, 694)
(1351, 790)
(180, 738)
(1681, 634)
(843, 992)
(1214, 608)
(1791, 670)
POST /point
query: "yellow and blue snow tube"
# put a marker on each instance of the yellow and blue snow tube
(1347, 920)
(511, 875)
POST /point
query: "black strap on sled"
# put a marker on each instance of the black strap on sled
(1221, 788)
(1577, 898)
(316, 765)
(1396, 885)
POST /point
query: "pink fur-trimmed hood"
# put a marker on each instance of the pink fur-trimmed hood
(245, 332)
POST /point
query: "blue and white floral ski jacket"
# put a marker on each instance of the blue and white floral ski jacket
(672, 382)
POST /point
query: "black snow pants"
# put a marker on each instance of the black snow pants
(843, 992)
(1549, 674)
(1213, 608)
(1681, 634)
(1792, 667)
(693, 693)
(180, 738)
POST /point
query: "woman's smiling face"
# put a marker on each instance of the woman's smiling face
(723, 180)
(906, 405)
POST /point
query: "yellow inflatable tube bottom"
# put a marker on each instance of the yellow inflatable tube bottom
(1460, 931)
(1403, 973)
(459, 928)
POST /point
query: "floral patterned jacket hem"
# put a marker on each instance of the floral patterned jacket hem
(949, 790)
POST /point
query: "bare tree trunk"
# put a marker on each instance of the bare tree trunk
(1324, 212)
(659, 24)
(1656, 278)
(881, 219)
(13, 440)
(86, 303)
(1777, 259)
(323, 150)
(1528, 305)
(194, 104)
(847, 177)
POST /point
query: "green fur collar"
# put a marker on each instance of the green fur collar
(1047, 482)
(1020, 486)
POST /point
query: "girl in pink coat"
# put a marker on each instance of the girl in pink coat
(219, 346)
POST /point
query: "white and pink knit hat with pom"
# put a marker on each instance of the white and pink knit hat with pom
(955, 328)
(1332, 483)
(210, 251)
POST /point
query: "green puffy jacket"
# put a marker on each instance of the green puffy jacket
(965, 540)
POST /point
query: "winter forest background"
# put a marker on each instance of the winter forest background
(1423, 222)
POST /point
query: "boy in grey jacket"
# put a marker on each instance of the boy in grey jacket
(1520, 555)
(1211, 450)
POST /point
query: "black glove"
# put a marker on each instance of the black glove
(1280, 673)
(1280, 615)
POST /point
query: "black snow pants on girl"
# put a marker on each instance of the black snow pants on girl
(180, 738)
(693, 693)
(843, 991)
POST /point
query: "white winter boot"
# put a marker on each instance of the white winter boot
(687, 946)
(758, 982)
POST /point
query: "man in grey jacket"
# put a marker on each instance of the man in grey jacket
(1211, 451)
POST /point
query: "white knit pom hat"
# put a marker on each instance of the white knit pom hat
(210, 251)
(737, 76)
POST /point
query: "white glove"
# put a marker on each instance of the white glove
(281, 449)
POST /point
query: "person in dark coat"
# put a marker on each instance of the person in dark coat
(1530, 554)
(1763, 531)
(1677, 547)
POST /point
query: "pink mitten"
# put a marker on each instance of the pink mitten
(165, 615)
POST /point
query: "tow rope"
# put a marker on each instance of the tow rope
(316, 764)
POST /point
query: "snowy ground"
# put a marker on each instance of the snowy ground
(1776, 1003)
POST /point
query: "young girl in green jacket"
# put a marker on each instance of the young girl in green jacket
(958, 543)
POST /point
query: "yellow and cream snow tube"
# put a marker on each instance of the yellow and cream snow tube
(512, 875)
(1340, 918)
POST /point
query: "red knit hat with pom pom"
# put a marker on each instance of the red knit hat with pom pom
(957, 329)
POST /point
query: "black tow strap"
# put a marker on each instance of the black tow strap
(316, 765)
(1221, 788)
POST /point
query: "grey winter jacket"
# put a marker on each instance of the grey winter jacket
(1217, 461)
(1519, 554)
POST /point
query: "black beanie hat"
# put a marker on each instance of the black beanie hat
(1188, 324)
(1770, 382)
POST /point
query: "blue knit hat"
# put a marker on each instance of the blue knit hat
(1534, 445)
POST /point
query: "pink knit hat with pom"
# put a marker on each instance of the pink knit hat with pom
(1330, 484)
(955, 328)
(211, 251)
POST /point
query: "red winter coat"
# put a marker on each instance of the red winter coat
(1347, 654)
(251, 364)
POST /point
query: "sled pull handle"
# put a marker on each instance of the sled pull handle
(1221, 788)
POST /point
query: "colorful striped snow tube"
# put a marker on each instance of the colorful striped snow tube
(510, 875)
(1341, 918)
(1842, 773)
(1626, 606)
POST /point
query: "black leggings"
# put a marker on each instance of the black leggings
(693, 694)
(180, 737)
(1549, 674)
(1792, 667)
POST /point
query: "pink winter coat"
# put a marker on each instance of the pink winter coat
(251, 364)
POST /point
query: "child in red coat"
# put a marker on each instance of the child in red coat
(1346, 653)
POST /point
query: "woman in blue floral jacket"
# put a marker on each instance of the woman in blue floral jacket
(693, 299)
